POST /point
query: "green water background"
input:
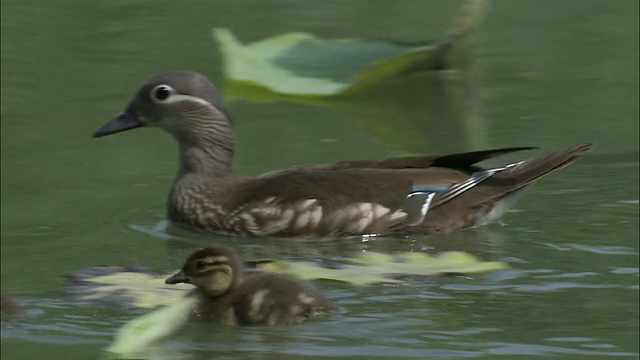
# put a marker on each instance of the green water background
(551, 74)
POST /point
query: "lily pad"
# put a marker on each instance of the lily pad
(133, 286)
(372, 267)
(147, 289)
(304, 67)
(418, 97)
(134, 338)
(139, 287)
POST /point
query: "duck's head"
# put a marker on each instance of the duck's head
(186, 105)
(179, 102)
(213, 270)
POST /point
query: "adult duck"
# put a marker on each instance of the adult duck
(403, 195)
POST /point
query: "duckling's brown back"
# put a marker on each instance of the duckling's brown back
(275, 299)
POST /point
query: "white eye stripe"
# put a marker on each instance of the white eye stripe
(175, 98)
(165, 94)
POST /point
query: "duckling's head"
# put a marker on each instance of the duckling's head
(183, 103)
(213, 270)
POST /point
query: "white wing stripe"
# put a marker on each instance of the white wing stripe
(475, 179)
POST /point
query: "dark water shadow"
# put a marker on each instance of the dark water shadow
(485, 242)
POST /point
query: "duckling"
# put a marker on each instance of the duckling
(233, 297)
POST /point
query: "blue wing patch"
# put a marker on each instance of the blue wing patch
(428, 189)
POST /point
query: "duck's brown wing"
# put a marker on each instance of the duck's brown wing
(463, 161)
(320, 203)
(393, 195)
(349, 197)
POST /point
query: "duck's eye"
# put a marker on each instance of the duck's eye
(201, 264)
(160, 93)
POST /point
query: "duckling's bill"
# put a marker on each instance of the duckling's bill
(179, 277)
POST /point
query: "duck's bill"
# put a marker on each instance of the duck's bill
(123, 122)
(179, 277)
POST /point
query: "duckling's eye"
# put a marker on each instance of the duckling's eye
(161, 93)
(201, 264)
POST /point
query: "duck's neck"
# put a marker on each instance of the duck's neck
(209, 156)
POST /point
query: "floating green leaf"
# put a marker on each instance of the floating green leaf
(146, 289)
(149, 289)
(372, 267)
(302, 66)
(134, 338)
(396, 92)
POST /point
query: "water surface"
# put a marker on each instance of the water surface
(550, 74)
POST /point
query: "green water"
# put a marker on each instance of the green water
(550, 74)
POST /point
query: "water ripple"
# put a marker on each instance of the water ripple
(603, 249)
(626, 271)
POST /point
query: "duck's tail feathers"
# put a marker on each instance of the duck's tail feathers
(530, 170)
(495, 183)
